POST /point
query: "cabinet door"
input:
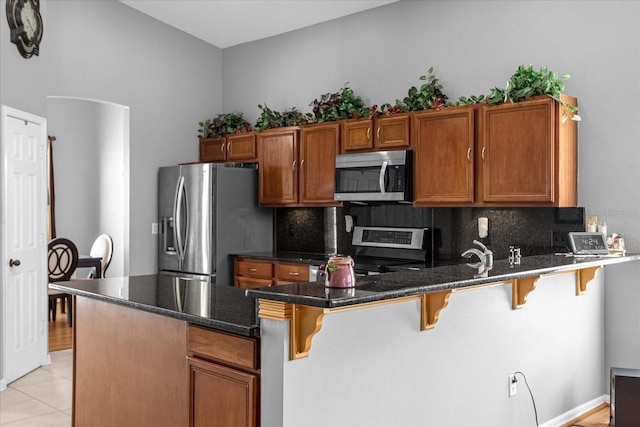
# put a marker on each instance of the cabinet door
(242, 148)
(392, 132)
(212, 149)
(221, 396)
(518, 158)
(357, 135)
(291, 273)
(443, 156)
(318, 150)
(278, 166)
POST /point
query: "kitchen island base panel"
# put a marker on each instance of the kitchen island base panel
(130, 367)
(374, 366)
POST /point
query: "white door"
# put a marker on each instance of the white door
(24, 247)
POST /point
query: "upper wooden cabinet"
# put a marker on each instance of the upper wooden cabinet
(277, 166)
(318, 149)
(380, 134)
(518, 154)
(528, 154)
(297, 165)
(240, 147)
(443, 143)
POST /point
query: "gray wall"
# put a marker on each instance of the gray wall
(473, 46)
(104, 50)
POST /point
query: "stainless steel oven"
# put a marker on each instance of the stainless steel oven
(379, 176)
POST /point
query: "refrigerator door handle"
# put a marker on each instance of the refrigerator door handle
(179, 218)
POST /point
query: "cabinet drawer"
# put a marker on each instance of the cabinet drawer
(220, 346)
(292, 272)
(251, 282)
(254, 268)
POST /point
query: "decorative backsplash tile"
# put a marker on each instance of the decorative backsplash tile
(305, 229)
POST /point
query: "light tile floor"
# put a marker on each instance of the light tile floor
(42, 397)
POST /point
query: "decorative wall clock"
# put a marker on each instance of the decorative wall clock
(25, 23)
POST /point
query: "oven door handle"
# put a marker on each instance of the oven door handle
(383, 172)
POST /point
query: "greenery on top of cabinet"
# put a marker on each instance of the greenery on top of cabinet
(224, 124)
(270, 119)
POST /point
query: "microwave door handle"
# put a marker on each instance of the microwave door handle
(383, 172)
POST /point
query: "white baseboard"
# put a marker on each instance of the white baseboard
(575, 412)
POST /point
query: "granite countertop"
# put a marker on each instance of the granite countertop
(418, 281)
(220, 307)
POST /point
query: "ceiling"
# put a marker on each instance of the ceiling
(226, 23)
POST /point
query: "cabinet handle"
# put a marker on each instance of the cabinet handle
(294, 273)
(368, 133)
(228, 147)
(293, 165)
(222, 147)
(468, 154)
(378, 134)
(301, 165)
(483, 148)
(253, 270)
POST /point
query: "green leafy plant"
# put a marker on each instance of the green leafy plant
(274, 119)
(428, 96)
(340, 105)
(527, 82)
(224, 124)
(471, 100)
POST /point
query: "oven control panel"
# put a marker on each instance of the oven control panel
(387, 237)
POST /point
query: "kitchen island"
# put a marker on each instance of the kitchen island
(150, 350)
(436, 346)
(378, 356)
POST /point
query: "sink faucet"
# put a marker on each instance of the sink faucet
(485, 256)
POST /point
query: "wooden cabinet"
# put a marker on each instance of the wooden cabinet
(379, 134)
(297, 165)
(528, 154)
(443, 144)
(290, 273)
(255, 273)
(318, 150)
(252, 273)
(520, 154)
(277, 167)
(240, 147)
(223, 379)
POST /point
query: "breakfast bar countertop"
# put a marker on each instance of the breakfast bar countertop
(418, 281)
(222, 307)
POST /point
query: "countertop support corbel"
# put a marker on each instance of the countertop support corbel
(520, 290)
(430, 307)
(585, 275)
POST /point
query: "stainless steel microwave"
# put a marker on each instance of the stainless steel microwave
(378, 176)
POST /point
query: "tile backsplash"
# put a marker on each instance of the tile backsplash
(322, 230)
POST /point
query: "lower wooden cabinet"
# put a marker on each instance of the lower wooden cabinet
(224, 379)
(221, 396)
(257, 273)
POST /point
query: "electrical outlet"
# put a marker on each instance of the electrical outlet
(558, 238)
(154, 228)
(513, 385)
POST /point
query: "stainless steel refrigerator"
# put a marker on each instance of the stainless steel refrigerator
(208, 211)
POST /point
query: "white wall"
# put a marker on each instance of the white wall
(374, 367)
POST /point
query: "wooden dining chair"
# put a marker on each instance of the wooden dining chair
(62, 262)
